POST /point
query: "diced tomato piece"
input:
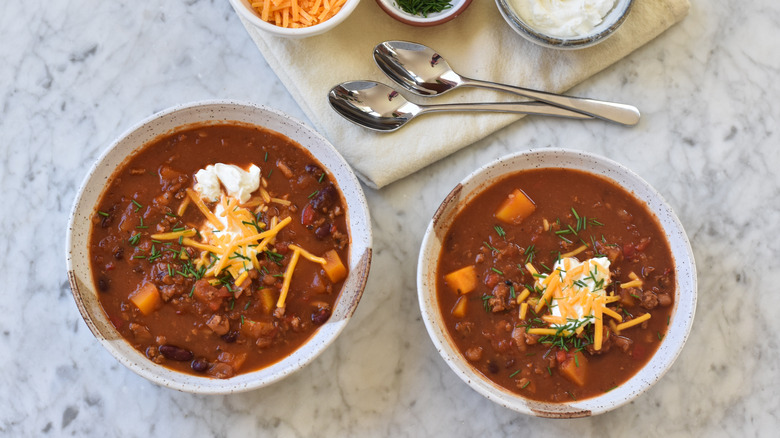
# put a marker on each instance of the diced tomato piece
(307, 215)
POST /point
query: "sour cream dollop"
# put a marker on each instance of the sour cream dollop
(576, 285)
(238, 183)
(563, 18)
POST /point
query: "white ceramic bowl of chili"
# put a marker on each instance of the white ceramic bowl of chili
(254, 17)
(165, 122)
(684, 265)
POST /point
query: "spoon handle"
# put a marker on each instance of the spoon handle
(534, 108)
(610, 111)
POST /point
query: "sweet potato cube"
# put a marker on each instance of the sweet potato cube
(463, 281)
(146, 298)
(333, 266)
(515, 208)
(267, 300)
(574, 368)
(459, 310)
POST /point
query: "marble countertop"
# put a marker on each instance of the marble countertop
(74, 75)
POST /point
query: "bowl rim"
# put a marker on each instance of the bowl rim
(247, 13)
(566, 43)
(685, 288)
(360, 254)
(389, 6)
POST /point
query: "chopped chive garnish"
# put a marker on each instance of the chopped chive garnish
(192, 290)
(103, 213)
(313, 194)
(489, 247)
(266, 157)
(133, 240)
(500, 231)
(514, 374)
(496, 271)
(526, 384)
(137, 205)
(246, 306)
(321, 177)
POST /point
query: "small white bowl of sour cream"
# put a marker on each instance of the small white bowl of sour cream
(572, 24)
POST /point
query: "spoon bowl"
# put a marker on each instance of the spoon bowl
(376, 106)
(423, 71)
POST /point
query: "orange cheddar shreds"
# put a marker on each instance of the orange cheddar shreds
(296, 14)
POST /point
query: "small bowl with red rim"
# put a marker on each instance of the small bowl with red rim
(434, 305)
(396, 9)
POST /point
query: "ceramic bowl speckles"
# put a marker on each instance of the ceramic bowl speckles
(222, 111)
(685, 274)
(247, 12)
(392, 9)
(612, 21)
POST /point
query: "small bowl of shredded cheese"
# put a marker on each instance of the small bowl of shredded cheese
(294, 18)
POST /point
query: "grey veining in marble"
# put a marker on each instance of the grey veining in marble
(74, 75)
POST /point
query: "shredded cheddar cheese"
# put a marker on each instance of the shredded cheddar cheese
(633, 322)
(297, 13)
(575, 293)
(232, 238)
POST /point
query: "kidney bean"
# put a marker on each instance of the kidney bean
(199, 365)
(325, 197)
(323, 231)
(230, 337)
(321, 316)
(175, 353)
(103, 284)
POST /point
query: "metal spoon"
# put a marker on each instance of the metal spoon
(422, 71)
(376, 106)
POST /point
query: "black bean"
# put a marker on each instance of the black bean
(492, 367)
(321, 316)
(230, 337)
(103, 284)
(119, 253)
(106, 221)
(323, 231)
(199, 365)
(175, 353)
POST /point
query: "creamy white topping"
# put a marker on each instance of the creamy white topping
(238, 183)
(594, 278)
(563, 18)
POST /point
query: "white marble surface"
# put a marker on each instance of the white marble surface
(75, 74)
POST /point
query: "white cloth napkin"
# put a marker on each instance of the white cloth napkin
(477, 44)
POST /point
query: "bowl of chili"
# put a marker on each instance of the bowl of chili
(197, 278)
(557, 283)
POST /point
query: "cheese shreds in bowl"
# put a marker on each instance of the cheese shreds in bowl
(297, 13)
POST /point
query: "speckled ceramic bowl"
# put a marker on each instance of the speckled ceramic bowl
(392, 9)
(247, 12)
(80, 275)
(685, 273)
(604, 30)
